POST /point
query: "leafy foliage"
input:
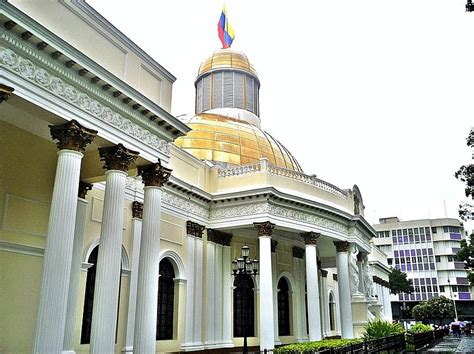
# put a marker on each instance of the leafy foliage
(399, 282)
(379, 329)
(419, 328)
(438, 308)
(466, 255)
(466, 175)
(311, 347)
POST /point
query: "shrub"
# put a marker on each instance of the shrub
(419, 328)
(379, 329)
(316, 346)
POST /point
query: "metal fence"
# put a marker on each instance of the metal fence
(418, 341)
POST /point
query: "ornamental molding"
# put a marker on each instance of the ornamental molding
(184, 205)
(57, 80)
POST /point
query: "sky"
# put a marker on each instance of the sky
(374, 93)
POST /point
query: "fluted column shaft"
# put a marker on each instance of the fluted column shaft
(190, 301)
(267, 338)
(325, 302)
(132, 298)
(51, 321)
(104, 315)
(147, 293)
(198, 285)
(275, 297)
(314, 312)
(345, 306)
(227, 296)
(75, 275)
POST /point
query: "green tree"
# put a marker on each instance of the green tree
(399, 283)
(436, 309)
(466, 175)
(466, 255)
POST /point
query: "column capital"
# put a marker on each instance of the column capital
(273, 245)
(310, 238)
(194, 229)
(5, 92)
(342, 246)
(219, 237)
(264, 228)
(154, 174)
(84, 187)
(298, 252)
(324, 273)
(117, 157)
(137, 210)
(72, 136)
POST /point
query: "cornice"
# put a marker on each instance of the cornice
(63, 47)
(56, 80)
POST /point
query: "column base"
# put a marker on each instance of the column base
(192, 347)
(127, 350)
(68, 352)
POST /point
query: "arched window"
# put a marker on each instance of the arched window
(89, 299)
(283, 308)
(243, 307)
(164, 319)
(332, 312)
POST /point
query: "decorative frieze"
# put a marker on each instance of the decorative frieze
(341, 246)
(72, 136)
(219, 237)
(264, 228)
(273, 246)
(137, 209)
(154, 174)
(298, 252)
(71, 94)
(84, 187)
(310, 238)
(194, 229)
(117, 157)
(5, 92)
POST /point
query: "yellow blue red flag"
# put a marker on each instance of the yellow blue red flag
(225, 30)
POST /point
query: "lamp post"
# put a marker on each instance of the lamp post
(454, 302)
(244, 269)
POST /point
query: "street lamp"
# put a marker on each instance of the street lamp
(244, 269)
(454, 302)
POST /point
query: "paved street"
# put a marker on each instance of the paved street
(454, 345)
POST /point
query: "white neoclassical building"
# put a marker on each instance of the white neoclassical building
(119, 222)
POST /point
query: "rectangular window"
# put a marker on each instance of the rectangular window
(433, 230)
(389, 261)
(405, 232)
(446, 229)
(450, 259)
(454, 288)
(410, 232)
(394, 232)
(438, 259)
(441, 288)
(399, 232)
(416, 230)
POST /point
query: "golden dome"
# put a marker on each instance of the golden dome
(226, 59)
(223, 139)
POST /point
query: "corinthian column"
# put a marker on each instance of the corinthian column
(137, 215)
(314, 311)
(72, 141)
(267, 338)
(117, 160)
(344, 289)
(154, 176)
(76, 267)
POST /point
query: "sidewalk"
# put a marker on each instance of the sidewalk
(452, 344)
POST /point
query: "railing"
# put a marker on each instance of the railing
(418, 341)
(264, 165)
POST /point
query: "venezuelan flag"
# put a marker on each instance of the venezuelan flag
(225, 30)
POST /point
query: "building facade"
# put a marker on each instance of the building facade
(120, 222)
(425, 250)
